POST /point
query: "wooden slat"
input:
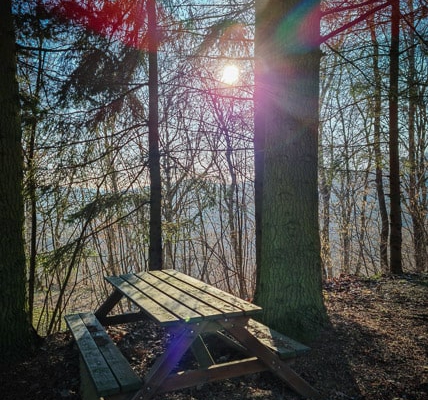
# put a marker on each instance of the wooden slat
(183, 294)
(147, 304)
(232, 343)
(247, 307)
(119, 365)
(201, 353)
(224, 308)
(120, 319)
(170, 358)
(108, 304)
(163, 299)
(213, 373)
(98, 369)
(284, 346)
(271, 360)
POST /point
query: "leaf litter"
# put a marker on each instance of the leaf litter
(375, 348)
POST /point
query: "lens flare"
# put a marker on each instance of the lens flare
(230, 74)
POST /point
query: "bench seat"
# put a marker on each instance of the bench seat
(285, 347)
(107, 368)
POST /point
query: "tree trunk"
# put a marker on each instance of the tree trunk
(155, 247)
(417, 205)
(287, 84)
(377, 109)
(395, 238)
(325, 186)
(259, 136)
(15, 332)
(325, 191)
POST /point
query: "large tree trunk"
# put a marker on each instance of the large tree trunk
(15, 333)
(287, 84)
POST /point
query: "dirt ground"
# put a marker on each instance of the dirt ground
(375, 348)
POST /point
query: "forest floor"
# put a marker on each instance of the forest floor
(375, 348)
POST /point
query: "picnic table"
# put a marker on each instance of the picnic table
(189, 309)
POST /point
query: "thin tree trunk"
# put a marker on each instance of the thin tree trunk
(155, 247)
(395, 239)
(384, 232)
(416, 205)
(326, 178)
(325, 190)
(347, 191)
(259, 136)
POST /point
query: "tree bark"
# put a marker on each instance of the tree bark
(287, 84)
(259, 135)
(417, 205)
(377, 109)
(155, 246)
(395, 238)
(15, 332)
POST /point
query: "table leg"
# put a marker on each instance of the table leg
(181, 342)
(201, 352)
(108, 305)
(237, 329)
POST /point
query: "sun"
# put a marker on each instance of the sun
(230, 74)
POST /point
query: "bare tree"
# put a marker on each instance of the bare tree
(395, 239)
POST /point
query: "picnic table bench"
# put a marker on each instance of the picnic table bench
(190, 310)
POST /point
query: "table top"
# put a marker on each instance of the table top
(171, 297)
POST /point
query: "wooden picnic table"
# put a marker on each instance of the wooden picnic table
(189, 309)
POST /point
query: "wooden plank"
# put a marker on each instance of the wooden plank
(148, 305)
(125, 318)
(185, 295)
(201, 353)
(221, 296)
(119, 365)
(169, 304)
(213, 373)
(87, 387)
(284, 346)
(98, 368)
(108, 304)
(225, 309)
(271, 360)
(231, 342)
(169, 359)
